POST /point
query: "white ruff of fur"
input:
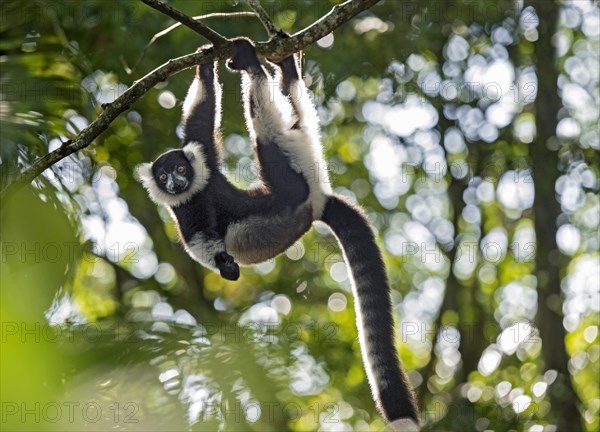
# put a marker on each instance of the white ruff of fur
(193, 152)
(203, 250)
(273, 121)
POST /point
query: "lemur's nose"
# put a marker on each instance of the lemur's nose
(170, 183)
(176, 183)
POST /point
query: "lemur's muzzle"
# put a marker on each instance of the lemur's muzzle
(176, 183)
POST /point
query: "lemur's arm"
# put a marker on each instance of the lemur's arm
(208, 248)
(202, 113)
(197, 222)
(202, 120)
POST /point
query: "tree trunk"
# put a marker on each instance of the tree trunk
(546, 211)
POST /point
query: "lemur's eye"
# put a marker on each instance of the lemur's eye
(163, 177)
(180, 169)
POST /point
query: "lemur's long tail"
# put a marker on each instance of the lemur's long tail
(389, 384)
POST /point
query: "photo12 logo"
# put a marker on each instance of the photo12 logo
(69, 412)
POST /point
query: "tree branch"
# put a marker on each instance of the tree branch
(264, 17)
(177, 24)
(276, 49)
(212, 36)
(279, 48)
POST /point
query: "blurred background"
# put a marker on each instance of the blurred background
(467, 129)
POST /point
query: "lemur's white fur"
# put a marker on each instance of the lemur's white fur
(272, 122)
(193, 98)
(195, 156)
(195, 95)
(273, 114)
(204, 250)
(300, 98)
(309, 123)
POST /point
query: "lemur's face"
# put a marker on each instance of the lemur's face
(173, 172)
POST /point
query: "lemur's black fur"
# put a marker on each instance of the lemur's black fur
(219, 222)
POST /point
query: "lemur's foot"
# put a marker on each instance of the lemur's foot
(207, 69)
(289, 68)
(244, 56)
(288, 63)
(228, 268)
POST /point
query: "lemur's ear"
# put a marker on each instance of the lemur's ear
(143, 172)
(193, 152)
(189, 152)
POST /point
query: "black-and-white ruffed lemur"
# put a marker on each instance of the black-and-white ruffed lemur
(221, 225)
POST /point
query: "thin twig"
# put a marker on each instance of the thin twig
(264, 17)
(212, 36)
(279, 48)
(276, 49)
(177, 24)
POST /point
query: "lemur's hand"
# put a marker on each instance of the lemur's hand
(244, 56)
(228, 268)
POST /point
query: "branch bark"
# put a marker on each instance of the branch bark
(203, 30)
(276, 49)
(264, 17)
(279, 48)
(178, 24)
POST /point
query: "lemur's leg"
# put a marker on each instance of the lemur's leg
(198, 224)
(269, 117)
(288, 78)
(304, 138)
(202, 113)
(202, 121)
(293, 87)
